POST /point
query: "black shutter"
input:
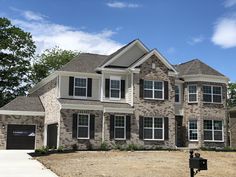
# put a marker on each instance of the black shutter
(71, 86)
(128, 127)
(89, 87)
(92, 126)
(74, 126)
(140, 127)
(107, 88)
(111, 127)
(166, 128)
(122, 88)
(166, 90)
(141, 88)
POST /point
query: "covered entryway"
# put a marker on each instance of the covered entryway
(52, 135)
(20, 136)
(180, 131)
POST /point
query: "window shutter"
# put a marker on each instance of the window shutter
(166, 128)
(141, 88)
(128, 127)
(140, 127)
(92, 126)
(71, 86)
(111, 127)
(122, 88)
(74, 126)
(107, 88)
(89, 87)
(166, 90)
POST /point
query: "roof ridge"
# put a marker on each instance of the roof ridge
(196, 59)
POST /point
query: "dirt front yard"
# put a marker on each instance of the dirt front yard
(137, 164)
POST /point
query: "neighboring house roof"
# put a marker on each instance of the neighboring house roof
(196, 67)
(84, 62)
(24, 103)
(94, 102)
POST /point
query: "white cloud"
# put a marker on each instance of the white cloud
(225, 32)
(47, 35)
(229, 3)
(196, 40)
(118, 4)
(29, 15)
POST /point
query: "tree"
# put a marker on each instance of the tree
(16, 50)
(231, 95)
(49, 61)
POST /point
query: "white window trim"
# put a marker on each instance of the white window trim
(116, 78)
(179, 102)
(212, 129)
(193, 93)
(120, 127)
(153, 90)
(84, 97)
(153, 128)
(83, 126)
(212, 94)
(192, 129)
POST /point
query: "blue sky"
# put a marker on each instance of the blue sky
(181, 30)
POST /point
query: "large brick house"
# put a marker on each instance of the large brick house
(133, 96)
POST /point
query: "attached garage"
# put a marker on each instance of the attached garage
(232, 127)
(22, 124)
(20, 136)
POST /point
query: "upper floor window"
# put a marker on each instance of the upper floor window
(115, 88)
(192, 93)
(212, 94)
(192, 130)
(213, 130)
(177, 94)
(80, 87)
(153, 128)
(153, 89)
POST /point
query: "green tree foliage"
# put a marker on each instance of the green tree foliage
(232, 94)
(16, 50)
(49, 61)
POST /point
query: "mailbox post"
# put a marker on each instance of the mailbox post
(196, 163)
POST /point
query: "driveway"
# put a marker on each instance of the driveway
(17, 163)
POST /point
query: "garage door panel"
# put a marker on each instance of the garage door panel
(20, 136)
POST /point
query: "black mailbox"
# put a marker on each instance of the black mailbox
(198, 163)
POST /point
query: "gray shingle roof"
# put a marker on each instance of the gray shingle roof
(84, 62)
(24, 103)
(94, 102)
(194, 67)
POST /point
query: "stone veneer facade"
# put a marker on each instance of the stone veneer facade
(201, 111)
(232, 128)
(22, 120)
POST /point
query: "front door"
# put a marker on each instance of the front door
(179, 131)
(52, 136)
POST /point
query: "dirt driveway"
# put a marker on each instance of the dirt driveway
(138, 164)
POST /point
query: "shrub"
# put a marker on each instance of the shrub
(132, 147)
(75, 147)
(104, 146)
(42, 150)
(60, 149)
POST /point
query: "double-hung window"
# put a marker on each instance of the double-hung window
(177, 94)
(119, 127)
(115, 87)
(80, 87)
(213, 130)
(192, 130)
(153, 90)
(153, 128)
(83, 126)
(212, 94)
(192, 93)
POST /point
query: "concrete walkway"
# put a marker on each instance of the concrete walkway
(17, 163)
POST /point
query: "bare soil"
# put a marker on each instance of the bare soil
(137, 164)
